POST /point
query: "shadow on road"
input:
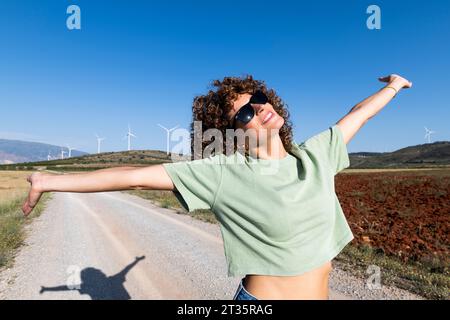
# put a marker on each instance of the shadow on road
(99, 286)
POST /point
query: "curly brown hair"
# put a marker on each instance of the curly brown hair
(212, 110)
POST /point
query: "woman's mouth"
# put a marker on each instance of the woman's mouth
(268, 117)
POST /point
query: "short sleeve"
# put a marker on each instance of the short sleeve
(329, 147)
(196, 181)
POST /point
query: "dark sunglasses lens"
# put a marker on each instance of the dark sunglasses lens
(259, 98)
(245, 114)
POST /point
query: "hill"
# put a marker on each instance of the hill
(17, 151)
(428, 155)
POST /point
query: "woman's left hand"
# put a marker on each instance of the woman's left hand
(398, 81)
(35, 193)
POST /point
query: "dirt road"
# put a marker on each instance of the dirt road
(118, 246)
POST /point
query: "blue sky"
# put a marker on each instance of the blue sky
(143, 62)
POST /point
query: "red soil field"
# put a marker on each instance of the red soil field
(406, 214)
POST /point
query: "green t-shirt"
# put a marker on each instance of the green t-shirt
(277, 217)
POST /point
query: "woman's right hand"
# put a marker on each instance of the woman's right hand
(35, 193)
(398, 81)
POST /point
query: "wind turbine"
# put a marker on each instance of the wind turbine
(49, 157)
(62, 153)
(168, 131)
(428, 134)
(70, 150)
(129, 135)
(99, 141)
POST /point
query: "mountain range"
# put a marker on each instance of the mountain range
(17, 151)
(34, 153)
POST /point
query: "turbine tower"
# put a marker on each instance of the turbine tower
(62, 153)
(428, 134)
(99, 141)
(70, 150)
(129, 135)
(49, 157)
(168, 131)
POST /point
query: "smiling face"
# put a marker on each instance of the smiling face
(216, 108)
(265, 116)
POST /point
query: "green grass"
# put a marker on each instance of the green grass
(166, 199)
(12, 224)
(429, 278)
(162, 198)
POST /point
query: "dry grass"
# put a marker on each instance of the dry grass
(13, 184)
(13, 191)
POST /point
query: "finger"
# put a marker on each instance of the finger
(34, 199)
(26, 210)
(25, 204)
(407, 85)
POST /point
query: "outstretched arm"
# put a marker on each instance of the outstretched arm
(366, 109)
(58, 288)
(153, 177)
(125, 270)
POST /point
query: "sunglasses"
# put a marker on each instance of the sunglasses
(246, 112)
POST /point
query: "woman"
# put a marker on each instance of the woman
(280, 219)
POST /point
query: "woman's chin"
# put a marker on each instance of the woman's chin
(275, 124)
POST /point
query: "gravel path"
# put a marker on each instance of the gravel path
(94, 239)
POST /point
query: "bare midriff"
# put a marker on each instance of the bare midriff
(312, 285)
